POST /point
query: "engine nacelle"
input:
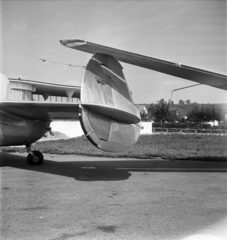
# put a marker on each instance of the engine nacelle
(20, 125)
(18, 129)
(108, 117)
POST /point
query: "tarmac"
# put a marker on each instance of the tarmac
(82, 197)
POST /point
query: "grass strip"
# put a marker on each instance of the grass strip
(187, 147)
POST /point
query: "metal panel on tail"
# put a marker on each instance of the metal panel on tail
(109, 118)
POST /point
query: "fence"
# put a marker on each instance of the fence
(191, 131)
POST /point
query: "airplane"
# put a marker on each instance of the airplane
(108, 116)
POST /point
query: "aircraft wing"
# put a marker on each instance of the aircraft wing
(38, 110)
(18, 99)
(214, 79)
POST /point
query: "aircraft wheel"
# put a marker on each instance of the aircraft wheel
(35, 159)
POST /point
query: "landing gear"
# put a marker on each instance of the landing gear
(34, 157)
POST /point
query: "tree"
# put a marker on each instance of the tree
(188, 101)
(204, 114)
(213, 113)
(181, 102)
(171, 103)
(161, 112)
(143, 115)
(173, 116)
(194, 104)
(194, 115)
(151, 111)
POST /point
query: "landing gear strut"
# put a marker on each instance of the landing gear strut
(34, 157)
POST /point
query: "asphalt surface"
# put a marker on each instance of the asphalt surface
(77, 197)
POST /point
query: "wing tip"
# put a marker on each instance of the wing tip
(73, 42)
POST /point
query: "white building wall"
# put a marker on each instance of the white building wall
(69, 128)
(214, 123)
(147, 128)
(73, 128)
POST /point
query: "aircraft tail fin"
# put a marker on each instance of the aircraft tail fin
(108, 117)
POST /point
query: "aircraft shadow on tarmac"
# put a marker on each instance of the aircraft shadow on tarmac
(109, 169)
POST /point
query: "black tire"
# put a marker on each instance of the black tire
(37, 161)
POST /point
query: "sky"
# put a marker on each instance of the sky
(190, 32)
